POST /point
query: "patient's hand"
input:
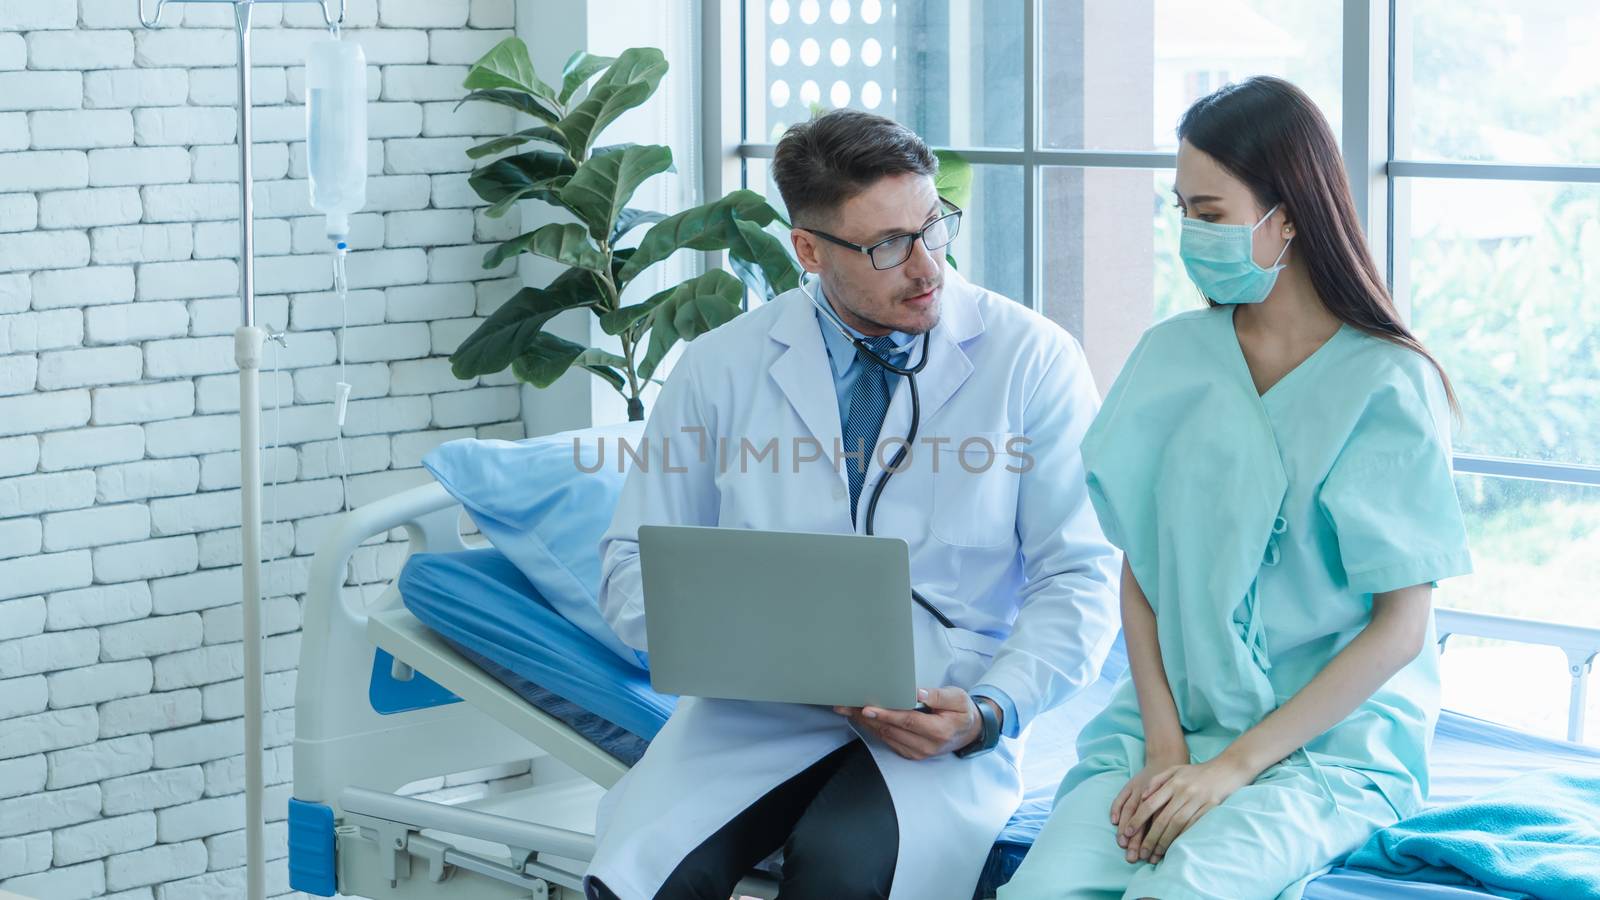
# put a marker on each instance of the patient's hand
(1177, 797)
(1127, 803)
(949, 722)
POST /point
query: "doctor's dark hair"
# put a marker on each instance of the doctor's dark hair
(824, 162)
(1267, 133)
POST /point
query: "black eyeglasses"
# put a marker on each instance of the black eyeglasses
(896, 249)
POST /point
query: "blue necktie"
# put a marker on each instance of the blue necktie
(869, 400)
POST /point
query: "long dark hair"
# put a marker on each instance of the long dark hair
(1268, 134)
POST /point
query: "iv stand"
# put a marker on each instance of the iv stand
(247, 341)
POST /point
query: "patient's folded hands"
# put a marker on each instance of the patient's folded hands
(1172, 800)
(1127, 803)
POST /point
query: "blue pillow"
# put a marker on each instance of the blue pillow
(535, 503)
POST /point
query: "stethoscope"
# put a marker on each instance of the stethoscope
(864, 351)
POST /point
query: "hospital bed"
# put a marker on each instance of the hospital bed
(386, 699)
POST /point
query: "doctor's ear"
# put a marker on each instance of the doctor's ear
(806, 250)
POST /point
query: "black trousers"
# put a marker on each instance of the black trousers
(835, 822)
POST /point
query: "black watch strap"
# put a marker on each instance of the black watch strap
(989, 737)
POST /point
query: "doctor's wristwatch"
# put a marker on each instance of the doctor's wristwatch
(989, 737)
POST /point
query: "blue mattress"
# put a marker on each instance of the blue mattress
(482, 605)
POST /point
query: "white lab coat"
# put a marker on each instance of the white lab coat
(1017, 560)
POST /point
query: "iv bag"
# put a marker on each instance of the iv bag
(336, 131)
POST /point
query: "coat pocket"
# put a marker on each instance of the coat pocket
(970, 656)
(975, 488)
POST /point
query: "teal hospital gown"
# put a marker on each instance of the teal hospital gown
(1259, 527)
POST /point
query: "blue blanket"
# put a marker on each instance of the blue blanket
(1537, 835)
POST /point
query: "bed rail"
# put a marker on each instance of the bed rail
(1581, 646)
(339, 738)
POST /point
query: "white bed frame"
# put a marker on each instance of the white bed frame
(534, 842)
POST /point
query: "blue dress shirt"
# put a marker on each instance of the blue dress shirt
(847, 366)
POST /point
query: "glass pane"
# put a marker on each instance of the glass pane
(1523, 686)
(1109, 247)
(1491, 80)
(1174, 292)
(952, 71)
(756, 178)
(989, 248)
(1536, 552)
(1143, 64)
(1503, 283)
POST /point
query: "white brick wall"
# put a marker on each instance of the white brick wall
(88, 447)
(120, 653)
(22, 617)
(156, 789)
(41, 733)
(25, 774)
(97, 684)
(25, 855)
(97, 762)
(97, 840)
(23, 696)
(84, 287)
(101, 605)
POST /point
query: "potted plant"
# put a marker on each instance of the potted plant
(561, 163)
(566, 169)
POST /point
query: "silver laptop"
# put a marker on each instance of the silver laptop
(779, 616)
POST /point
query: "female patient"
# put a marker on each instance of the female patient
(1277, 470)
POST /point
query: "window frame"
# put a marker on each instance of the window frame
(1375, 80)
(1398, 76)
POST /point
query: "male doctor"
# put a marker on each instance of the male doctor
(991, 499)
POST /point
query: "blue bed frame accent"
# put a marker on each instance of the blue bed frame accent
(389, 695)
(312, 867)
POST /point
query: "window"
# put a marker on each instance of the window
(1092, 179)
(951, 71)
(1496, 230)
(1487, 214)
(1494, 81)
(1117, 76)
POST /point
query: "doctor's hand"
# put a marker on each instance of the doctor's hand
(949, 723)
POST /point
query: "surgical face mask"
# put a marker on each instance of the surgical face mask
(1220, 260)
